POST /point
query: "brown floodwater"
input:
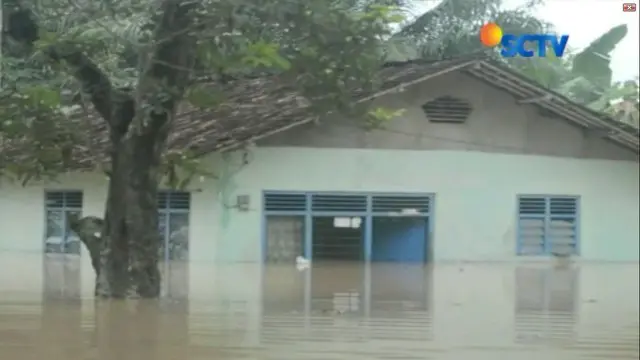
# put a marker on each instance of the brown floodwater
(330, 311)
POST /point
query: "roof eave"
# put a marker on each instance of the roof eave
(528, 92)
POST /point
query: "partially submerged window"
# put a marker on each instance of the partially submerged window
(173, 208)
(285, 228)
(58, 237)
(61, 268)
(447, 109)
(548, 225)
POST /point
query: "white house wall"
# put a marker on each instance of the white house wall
(475, 207)
(22, 228)
(475, 204)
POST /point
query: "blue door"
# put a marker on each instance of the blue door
(399, 239)
(400, 227)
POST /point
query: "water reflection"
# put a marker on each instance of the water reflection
(546, 302)
(332, 311)
(61, 273)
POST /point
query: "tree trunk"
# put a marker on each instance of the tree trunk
(139, 122)
(130, 239)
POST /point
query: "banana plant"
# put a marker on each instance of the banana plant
(590, 69)
(591, 82)
(584, 76)
(594, 62)
(451, 29)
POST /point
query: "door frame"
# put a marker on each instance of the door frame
(367, 215)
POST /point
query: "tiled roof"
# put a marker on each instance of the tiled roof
(260, 107)
(256, 108)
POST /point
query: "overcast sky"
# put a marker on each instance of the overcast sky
(584, 21)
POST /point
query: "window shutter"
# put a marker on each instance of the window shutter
(547, 225)
(285, 202)
(562, 226)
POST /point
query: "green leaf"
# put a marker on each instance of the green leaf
(379, 116)
(265, 54)
(594, 62)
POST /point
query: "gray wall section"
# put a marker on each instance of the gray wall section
(497, 124)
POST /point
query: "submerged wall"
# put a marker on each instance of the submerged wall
(475, 199)
(475, 196)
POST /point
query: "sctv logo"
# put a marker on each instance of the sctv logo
(512, 45)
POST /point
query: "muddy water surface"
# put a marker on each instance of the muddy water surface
(331, 311)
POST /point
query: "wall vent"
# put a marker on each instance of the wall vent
(447, 109)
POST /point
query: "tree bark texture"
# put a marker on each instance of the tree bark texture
(129, 252)
(124, 246)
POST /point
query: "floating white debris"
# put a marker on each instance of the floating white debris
(302, 263)
(54, 240)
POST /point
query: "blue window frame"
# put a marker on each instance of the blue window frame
(295, 210)
(548, 225)
(173, 224)
(58, 237)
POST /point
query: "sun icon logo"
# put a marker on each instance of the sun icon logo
(490, 34)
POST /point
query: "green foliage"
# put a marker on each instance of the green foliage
(594, 62)
(621, 101)
(325, 49)
(379, 116)
(179, 168)
(263, 54)
(33, 121)
(586, 78)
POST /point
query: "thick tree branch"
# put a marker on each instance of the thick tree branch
(171, 62)
(22, 28)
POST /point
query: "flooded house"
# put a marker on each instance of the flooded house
(484, 174)
(480, 165)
